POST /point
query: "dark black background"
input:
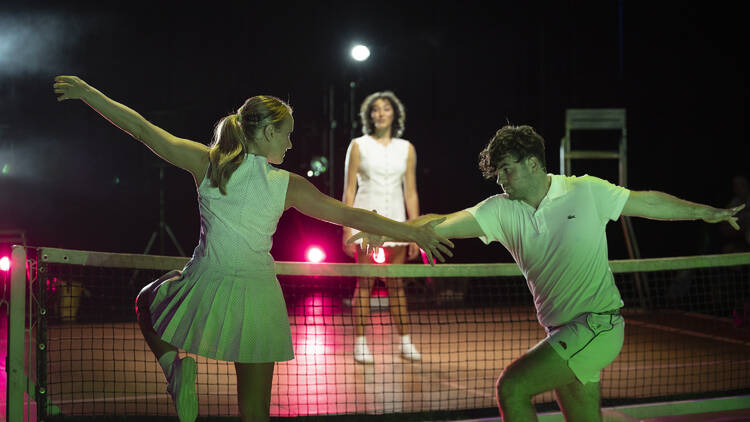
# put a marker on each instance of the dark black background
(463, 69)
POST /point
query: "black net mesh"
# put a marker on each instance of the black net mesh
(684, 339)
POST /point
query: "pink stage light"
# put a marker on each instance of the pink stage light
(315, 254)
(5, 263)
(379, 256)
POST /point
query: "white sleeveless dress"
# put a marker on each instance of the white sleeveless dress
(380, 180)
(227, 304)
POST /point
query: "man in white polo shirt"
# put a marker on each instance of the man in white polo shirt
(554, 227)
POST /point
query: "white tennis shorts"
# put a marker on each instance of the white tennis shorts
(588, 343)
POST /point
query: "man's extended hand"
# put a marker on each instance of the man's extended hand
(718, 215)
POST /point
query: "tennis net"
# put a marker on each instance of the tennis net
(468, 321)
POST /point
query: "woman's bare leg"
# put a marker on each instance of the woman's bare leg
(361, 303)
(254, 382)
(158, 346)
(361, 311)
(180, 373)
(396, 293)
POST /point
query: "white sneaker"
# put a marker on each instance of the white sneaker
(409, 351)
(362, 353)
(181, 386)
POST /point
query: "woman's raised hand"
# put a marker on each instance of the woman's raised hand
(70, 87)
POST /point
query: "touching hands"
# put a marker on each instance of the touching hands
(432, 243)
(70, 87)
(717, 215)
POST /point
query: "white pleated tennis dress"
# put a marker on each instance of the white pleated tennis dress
(380, 180)
(226, 304)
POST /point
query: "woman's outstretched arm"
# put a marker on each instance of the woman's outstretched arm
(183, 153)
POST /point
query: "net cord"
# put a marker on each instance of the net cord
(166, 263)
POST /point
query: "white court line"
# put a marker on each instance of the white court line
(111, 399)
(710, 317)
(688, 332)
(457, 387)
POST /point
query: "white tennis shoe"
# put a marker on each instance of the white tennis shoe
(409, 351)
(181, 386)
(362, 352)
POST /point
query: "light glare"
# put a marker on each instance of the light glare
(360, 53)
(35, 42)
(4, 263)
(315, 254)
(379, 256)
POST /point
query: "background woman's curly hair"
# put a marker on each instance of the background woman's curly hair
(399, 113)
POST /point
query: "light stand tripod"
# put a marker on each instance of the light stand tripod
(163, 226)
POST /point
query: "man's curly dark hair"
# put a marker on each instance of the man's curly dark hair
(518, 142)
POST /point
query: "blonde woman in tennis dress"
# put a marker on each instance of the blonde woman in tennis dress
(381, 176)
(226, 303)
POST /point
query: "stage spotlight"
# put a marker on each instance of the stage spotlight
(360, 53)
(315, 254)
(5, 263)
(379, 256)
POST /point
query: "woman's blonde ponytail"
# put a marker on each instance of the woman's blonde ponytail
(235, 133)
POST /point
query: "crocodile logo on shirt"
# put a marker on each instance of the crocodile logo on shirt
(570, 217)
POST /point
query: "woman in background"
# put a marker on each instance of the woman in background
(381, 176)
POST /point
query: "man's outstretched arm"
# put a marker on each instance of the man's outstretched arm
(662, 206)
(458, 225)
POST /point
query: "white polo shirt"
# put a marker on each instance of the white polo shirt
(561, 247)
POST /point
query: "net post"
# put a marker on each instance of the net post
(41, 342)
(16, 381)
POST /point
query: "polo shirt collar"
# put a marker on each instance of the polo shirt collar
(556, 186)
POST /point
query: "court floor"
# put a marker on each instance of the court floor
(106, 369)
